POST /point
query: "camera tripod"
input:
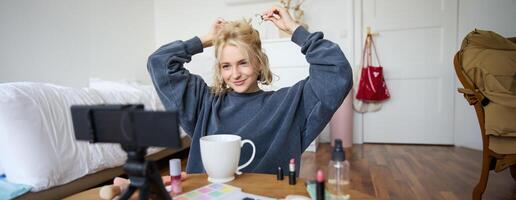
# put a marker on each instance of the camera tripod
(144, 175)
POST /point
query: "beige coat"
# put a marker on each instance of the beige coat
(489, 61)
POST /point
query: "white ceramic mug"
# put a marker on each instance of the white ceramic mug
(220, 155)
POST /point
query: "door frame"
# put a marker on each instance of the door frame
(358, 41)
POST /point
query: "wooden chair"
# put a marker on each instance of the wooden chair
(491, 160)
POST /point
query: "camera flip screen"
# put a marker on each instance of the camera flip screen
(126, 124)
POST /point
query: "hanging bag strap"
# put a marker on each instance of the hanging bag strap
(375, 52)
(364, 62)
(367, 57)
(362, 65)
(368, 52)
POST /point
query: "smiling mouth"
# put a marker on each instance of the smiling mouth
(239, 83)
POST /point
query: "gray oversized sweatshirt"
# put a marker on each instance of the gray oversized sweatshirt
(281, 123)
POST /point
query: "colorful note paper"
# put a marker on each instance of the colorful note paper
(217, 191)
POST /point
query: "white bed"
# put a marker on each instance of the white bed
(37, 144)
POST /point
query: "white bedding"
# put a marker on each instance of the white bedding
(37, 144)
(127, 92)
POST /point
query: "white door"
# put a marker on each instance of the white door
(416, 43)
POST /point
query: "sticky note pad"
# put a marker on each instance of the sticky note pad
(192, 194)
(211, 192)
(205, 190)
(227, 189)
(216, 191)
(216, 186)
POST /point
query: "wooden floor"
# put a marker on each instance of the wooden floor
(414, 171)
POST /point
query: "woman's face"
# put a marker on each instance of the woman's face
(236, 70)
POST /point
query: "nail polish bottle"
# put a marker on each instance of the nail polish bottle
(279, 174)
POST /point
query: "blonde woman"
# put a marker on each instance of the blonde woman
(281, 123)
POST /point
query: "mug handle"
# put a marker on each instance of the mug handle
(238, 172)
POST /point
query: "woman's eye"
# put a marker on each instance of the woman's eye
(225, 67)
(243, 63)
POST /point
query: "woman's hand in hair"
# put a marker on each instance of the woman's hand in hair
(207, 39)
(281, 18)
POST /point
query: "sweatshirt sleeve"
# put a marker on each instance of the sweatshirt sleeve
(179, 90)
(329, 81)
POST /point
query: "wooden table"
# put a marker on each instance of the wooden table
(260, 184)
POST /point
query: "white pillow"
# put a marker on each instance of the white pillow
(130, 92)
(37, 144)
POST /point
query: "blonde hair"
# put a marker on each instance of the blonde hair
(242, 35)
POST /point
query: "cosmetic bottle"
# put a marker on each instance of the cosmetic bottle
(338, 171)
(175, 176)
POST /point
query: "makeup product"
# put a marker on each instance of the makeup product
(292, 172)
(279, 174)
(218, 191)
(109, 191)
(175, 176)
(338, 170)
(319, 187)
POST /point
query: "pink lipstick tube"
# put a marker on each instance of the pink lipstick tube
(292, 172)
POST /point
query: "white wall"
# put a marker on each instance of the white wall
(68, 41)
(497, 16)
(176, 19)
